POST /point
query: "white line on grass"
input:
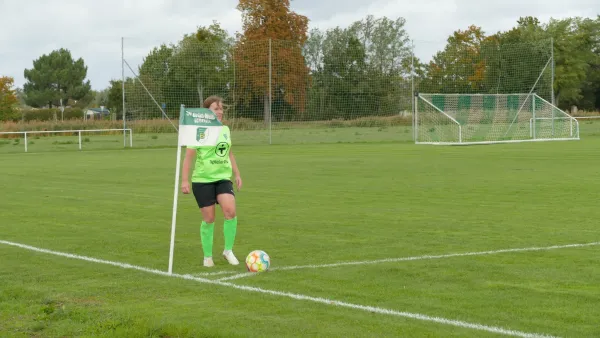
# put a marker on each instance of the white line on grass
(215, 273)
(413, 258)
(416, 258)
(237, 276)
(372, 309)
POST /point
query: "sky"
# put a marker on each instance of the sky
(93, 30)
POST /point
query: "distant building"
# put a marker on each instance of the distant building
(97, 113)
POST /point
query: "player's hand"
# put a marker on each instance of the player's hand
(185, 187)
(238, 182)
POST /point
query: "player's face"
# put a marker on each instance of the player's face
(217, 108)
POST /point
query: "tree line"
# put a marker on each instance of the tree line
(367, 68)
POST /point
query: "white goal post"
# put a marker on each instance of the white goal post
(463, 119)
(78, 131)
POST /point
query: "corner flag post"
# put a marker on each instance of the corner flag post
(176, 193)
(197, 127)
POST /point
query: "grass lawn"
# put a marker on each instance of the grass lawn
(307, 205)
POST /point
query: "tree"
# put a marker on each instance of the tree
(360, 70)
(576, 62)
(590, 90)
(264, 21)
(100, 98)
(201, 65)
(386, 43)
(54, 77)
(187, 72)
(344, 73)
(8, 99)
(388, 59)
(153, 73)
(115, 98)
(459, 68)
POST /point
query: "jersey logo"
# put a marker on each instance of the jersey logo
(221, 149)
(201, 134)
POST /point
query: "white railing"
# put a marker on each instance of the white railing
(78, 131)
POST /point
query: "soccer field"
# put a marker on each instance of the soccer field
(372, 239)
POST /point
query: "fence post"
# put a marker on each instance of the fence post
(270, 93)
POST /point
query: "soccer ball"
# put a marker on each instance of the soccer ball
(258, 261)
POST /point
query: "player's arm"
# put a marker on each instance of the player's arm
(236, 170)
(190, 154)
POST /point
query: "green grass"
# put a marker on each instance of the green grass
(105, 141)
(306, 204)
(333, 132)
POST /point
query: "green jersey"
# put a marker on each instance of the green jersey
(212, 162)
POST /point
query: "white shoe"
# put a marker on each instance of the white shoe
(208, 262)
(230, 257)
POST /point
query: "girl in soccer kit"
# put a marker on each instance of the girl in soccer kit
(211, 185)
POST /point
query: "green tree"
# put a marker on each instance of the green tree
(360, 70)
(575, 42)
(344, 73)
(100, 98)
(55, 77)
(591, 85)
(386, 43)
(388, 58)
(153, 73)
(187, 72)
(115, 97)
(585, 65)
(519, 60)
(201, 65)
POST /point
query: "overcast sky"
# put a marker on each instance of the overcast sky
(92, 29)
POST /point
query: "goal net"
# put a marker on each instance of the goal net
(490, 118)
(489, 90)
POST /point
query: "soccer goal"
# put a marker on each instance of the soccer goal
(461, 119)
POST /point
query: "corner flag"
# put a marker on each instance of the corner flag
(197, 127)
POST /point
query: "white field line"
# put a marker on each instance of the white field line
(413, 258)
(238, 276)
(372, 309)
(214, 273)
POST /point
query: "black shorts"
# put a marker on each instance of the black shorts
(206, 193)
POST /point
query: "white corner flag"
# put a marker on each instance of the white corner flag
(197, 127)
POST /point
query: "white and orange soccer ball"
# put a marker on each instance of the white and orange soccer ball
(258, 261)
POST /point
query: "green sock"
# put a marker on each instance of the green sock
(229, 229)
(206, 236)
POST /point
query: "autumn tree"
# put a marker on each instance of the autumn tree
(459, 68)
(55, 77)
(272, 35)
(8, 99)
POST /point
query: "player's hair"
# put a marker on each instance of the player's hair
(212, 99)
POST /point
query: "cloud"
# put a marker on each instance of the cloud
(92, 30)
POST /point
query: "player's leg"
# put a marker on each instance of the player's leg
(226, 199)
(205, 194)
